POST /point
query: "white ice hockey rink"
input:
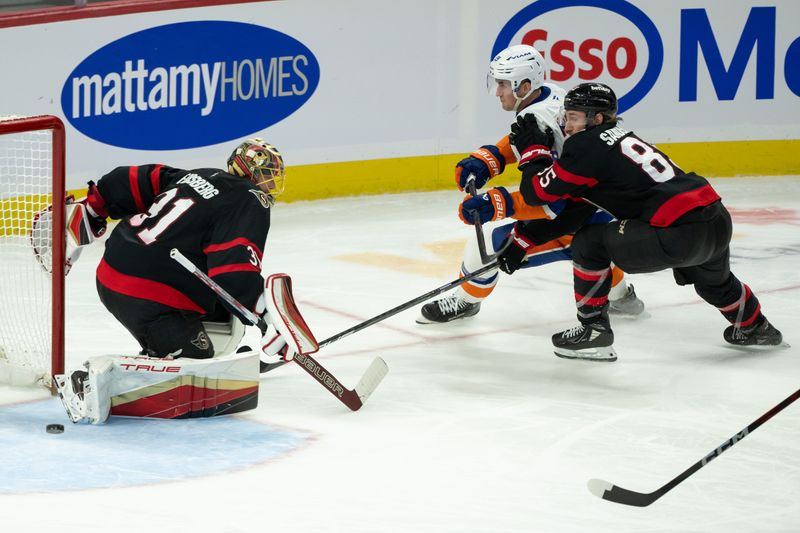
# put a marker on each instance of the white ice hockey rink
(478, 427)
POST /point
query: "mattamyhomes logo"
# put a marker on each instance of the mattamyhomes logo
(586, 40)
(189, 84)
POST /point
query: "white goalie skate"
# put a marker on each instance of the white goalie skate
(71, 391)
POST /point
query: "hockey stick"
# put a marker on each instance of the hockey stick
(353, 399)
(485, 257)
(613, 493)
(394, 310)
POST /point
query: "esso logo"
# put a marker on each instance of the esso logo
(610, 41)
(588, 59)
(189, 84)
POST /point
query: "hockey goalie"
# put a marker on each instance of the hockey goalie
(188, 365)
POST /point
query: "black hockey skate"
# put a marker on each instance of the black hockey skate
(761, 334)
(629, 305)
(586, 341)
(447, 309)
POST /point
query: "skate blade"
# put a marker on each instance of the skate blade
(756, 348)
(426, 322)
(422, 320)
(628, 316)
(599, 355)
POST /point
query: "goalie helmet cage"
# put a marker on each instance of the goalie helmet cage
(31, 297)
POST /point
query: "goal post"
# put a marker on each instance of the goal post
(32, 177)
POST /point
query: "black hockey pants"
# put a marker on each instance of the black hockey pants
(697, 251)
(160, 330)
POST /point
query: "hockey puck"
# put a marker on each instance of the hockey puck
(55, 428)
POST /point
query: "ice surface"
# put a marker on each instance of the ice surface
(478, 427)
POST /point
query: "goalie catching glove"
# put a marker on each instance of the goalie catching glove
(289, 334)
(85, 222)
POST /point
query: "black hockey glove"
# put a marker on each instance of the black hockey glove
(511, 258)
(530, 141)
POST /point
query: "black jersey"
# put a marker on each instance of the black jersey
(217, 220)
(615, 170)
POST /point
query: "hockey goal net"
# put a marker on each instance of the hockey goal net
(31, 284)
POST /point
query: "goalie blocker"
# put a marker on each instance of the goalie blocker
(140, 386)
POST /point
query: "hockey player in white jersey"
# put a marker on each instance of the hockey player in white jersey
(516, 78)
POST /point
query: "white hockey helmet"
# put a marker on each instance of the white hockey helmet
(516, 64)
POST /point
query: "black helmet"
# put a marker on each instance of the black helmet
(591, 98)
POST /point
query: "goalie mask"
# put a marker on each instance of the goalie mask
(262, 164)
(513, 66)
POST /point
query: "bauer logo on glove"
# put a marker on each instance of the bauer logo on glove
(483, 164)
(496, 204)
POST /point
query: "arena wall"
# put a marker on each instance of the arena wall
(366, 96)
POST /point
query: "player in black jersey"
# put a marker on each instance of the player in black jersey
(218, 219)
(666, 218)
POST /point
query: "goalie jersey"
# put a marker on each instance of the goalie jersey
(217, 220)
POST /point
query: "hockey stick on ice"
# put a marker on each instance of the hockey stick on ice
(489, 264)
(402, 307)
(353, 399)
(613, 493)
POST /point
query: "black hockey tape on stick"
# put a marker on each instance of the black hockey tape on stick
(353, 399)
(613, 493)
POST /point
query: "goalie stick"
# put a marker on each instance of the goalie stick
(613, 493)
(489, 264)
(353, 399)
(394, 310)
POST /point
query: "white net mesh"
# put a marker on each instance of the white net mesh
(26, 182)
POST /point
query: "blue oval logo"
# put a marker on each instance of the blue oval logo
(189, 84)
(621, 7)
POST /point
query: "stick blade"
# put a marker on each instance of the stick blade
(598, 487)
(371, 379)
(607, 491)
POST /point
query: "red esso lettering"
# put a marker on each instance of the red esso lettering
(619, 57)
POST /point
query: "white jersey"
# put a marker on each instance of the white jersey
(549, 111)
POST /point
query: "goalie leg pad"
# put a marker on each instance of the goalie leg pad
(285, 316)
(139, 386)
